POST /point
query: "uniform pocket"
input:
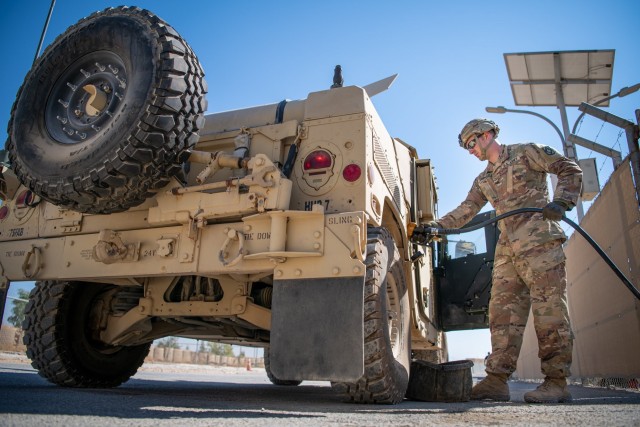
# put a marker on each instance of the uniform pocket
(489, 191)
(517, 179)
(545, 257)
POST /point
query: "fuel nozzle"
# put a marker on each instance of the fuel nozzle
(423, 234)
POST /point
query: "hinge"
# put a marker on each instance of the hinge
(71, 221)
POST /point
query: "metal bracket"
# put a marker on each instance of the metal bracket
(71, 221)
(110, 249)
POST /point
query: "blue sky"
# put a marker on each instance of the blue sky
(449, 57)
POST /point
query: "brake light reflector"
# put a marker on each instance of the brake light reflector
(319, 159)
(24, 199)
(352, 172)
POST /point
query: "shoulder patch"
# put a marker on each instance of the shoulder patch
(550, 151)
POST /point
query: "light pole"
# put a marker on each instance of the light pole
(615, 155)
(621, 93)
(502, 110)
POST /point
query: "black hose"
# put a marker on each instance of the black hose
(627, 282)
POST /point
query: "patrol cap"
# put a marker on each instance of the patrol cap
(476, 127)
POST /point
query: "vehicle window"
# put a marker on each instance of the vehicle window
(472, 243)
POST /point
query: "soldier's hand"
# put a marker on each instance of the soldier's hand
(554, 211)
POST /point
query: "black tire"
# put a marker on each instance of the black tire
(387, 342)
(60, 343)
(150, 108)
(273, 378)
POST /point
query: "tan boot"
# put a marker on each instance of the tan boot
(552, 390)
(493, 387)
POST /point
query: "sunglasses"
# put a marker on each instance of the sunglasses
(471, 143)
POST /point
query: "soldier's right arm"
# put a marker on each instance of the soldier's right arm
(467, 210)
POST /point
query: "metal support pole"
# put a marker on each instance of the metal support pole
(44, 30)
(621, 93)
(615, 155)
(569, 148)
(631, 129)
(634, 153)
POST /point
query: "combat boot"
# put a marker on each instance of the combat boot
(493, 387)
(552, 390)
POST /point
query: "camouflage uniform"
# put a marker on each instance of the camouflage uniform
(529, 263)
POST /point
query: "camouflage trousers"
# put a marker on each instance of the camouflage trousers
(536, 280)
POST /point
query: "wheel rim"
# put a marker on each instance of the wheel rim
(85, 98)
(393, 315)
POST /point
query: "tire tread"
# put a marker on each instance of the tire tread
(45, 336)
(380, 382)
(155, 150)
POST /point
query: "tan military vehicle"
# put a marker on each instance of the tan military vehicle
(282, 226)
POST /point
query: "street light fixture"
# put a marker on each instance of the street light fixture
(615, 155)
(502, 110)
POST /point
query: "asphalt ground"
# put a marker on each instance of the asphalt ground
(195, 395)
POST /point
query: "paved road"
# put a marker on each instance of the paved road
(160, 395)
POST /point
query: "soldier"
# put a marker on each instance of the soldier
(529, 263)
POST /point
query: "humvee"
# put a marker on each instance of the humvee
(283, 226)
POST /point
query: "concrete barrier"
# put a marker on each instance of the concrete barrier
(11, 339)
(176, 355)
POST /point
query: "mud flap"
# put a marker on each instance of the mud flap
(317, 329)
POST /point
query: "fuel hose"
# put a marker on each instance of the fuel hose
(598, 249)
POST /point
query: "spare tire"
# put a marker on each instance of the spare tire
(108, 113)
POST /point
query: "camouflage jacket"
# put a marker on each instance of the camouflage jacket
(518, 179)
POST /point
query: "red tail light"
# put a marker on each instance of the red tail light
(319, 159)
(25, 199)
(352, 172)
